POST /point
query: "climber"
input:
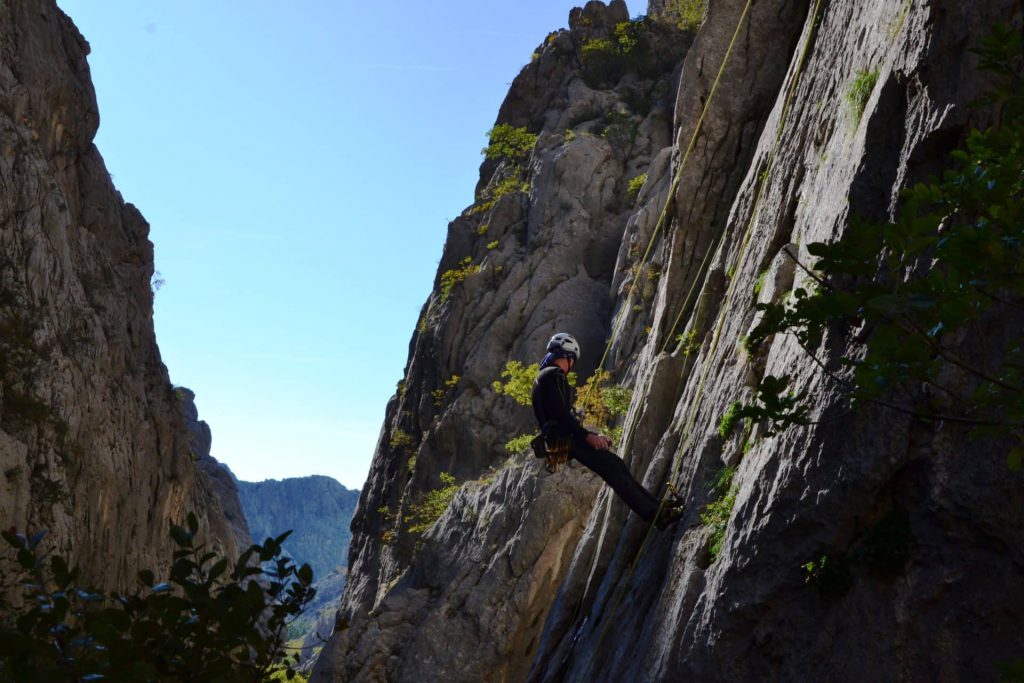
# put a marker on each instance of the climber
(563, 437)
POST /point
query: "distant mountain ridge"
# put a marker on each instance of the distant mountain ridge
(316, 508)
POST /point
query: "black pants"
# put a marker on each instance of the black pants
(613, 470)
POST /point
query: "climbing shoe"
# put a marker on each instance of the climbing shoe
(671, 512)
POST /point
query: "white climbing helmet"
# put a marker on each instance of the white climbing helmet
(564, 343)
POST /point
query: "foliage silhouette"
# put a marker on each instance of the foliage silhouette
(919, 290)
(201, 623)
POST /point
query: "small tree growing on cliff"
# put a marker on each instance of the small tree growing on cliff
(508, 143)
(512, 146)
(600, 401)
(686, 14)
(431, 505)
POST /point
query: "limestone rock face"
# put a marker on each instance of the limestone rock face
(540, 254)
(538, 260)
(780, 160)
(92, 444)
(222, 480)
(469, 607)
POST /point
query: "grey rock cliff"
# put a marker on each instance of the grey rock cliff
(550, 258)
(465, 602)
(540, 253)
(92, 445)
(469, 606)
(223, 482)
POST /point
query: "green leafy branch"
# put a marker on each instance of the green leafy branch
(600, 402)
(511, 146)
(917, 289)
(518, 381)
(773, 402)
(207, 621)
(429, 508)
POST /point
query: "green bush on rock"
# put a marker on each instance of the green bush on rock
(687, 15)
(508, 143)
(717, 513)
(432, 505)
(520, 444)
(634, 187)
(859, 91)
(455, 276)
(517, 381)
(606, 60)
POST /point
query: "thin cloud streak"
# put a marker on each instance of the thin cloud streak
(412, 67)
(505, 34)
(249, 235)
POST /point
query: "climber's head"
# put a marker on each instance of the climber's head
(563, 351)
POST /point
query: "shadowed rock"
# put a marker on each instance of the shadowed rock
(93, 448)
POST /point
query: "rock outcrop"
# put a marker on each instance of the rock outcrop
(469, 606)
(538, 260)
(549, 258)
(92, 445)
(226, 488)
(533, 577)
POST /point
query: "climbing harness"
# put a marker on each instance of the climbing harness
(551, 445)
(559, 455)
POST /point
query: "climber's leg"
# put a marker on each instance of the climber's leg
(613, 470)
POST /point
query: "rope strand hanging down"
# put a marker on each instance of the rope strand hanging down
(695, 405)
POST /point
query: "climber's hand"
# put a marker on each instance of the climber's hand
(599, 441)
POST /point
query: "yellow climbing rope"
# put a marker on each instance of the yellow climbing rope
(763, 177)
(663, 218)
(695, 405)
(674, 186)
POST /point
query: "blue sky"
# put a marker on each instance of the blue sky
(298, 163)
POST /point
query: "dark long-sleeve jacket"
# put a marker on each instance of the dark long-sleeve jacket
(552, 402)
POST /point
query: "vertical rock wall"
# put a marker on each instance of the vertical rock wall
(540, 254)
(222, 481)
(549, 258)
(664, 609)
(611, 601)
(92, 445)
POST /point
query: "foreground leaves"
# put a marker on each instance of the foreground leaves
(201, 624)
(917, 294)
